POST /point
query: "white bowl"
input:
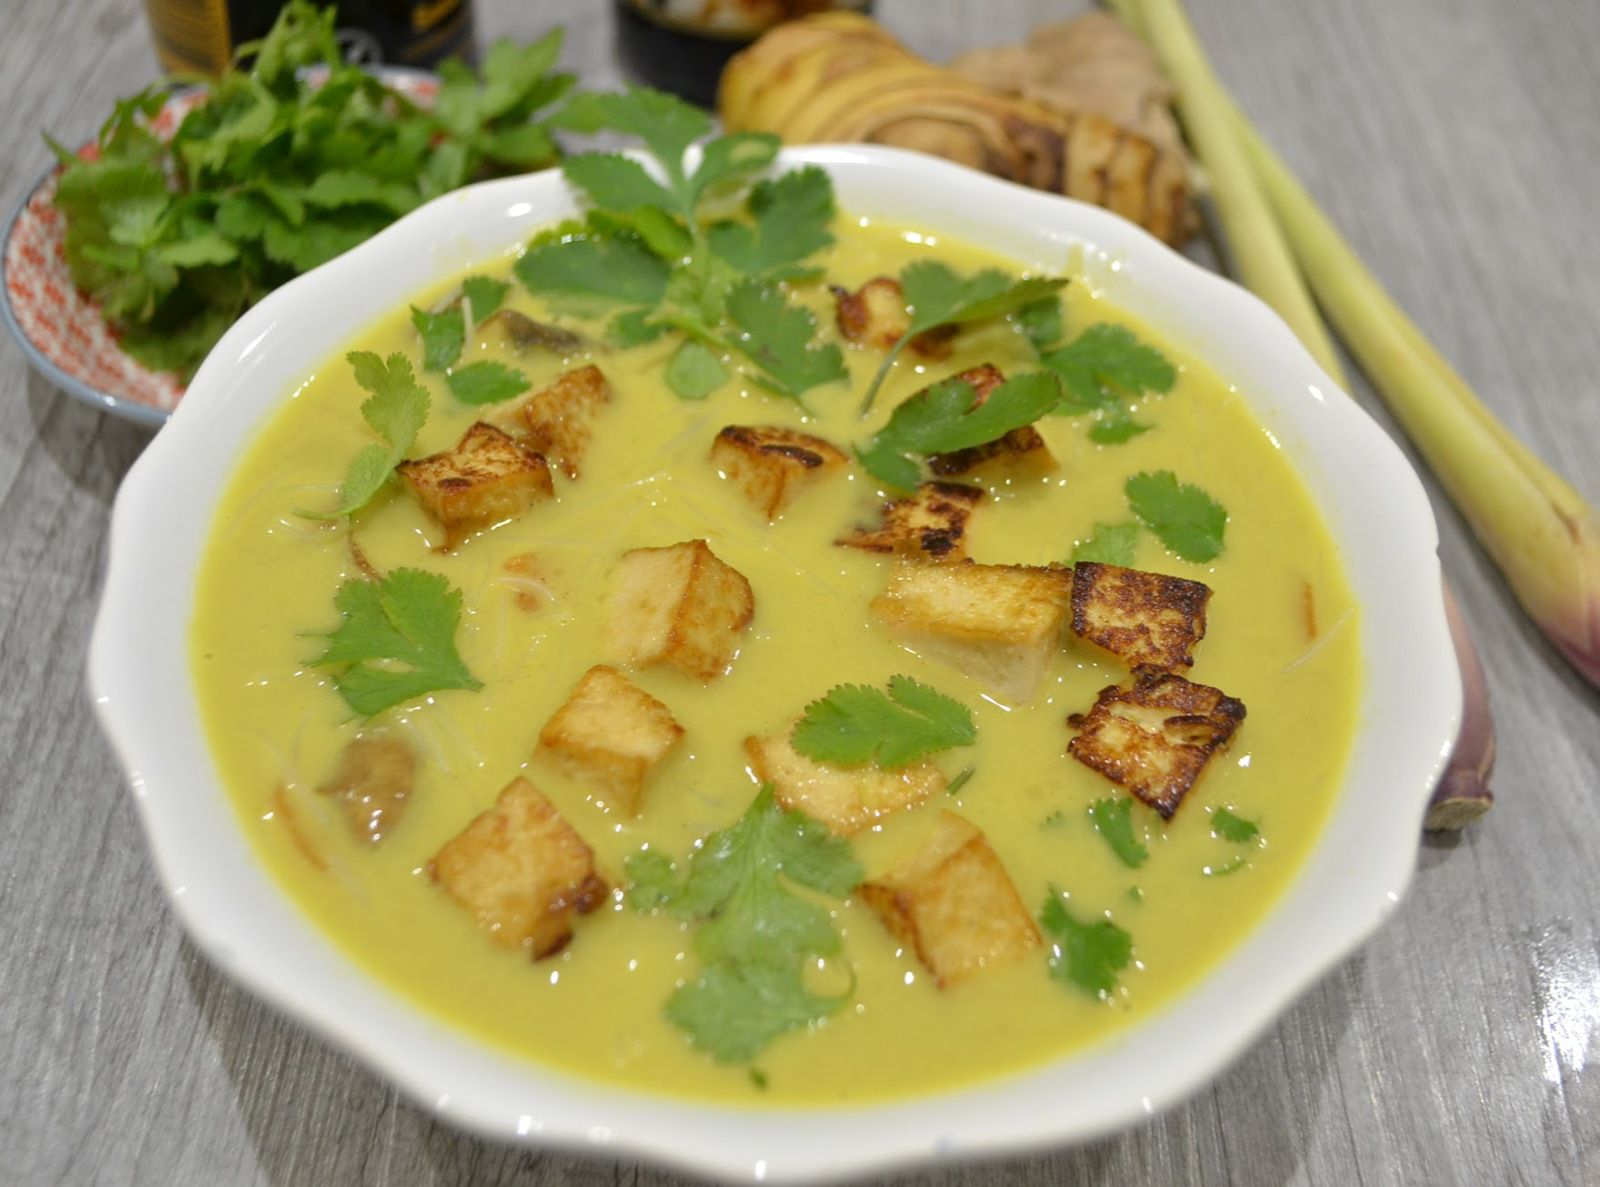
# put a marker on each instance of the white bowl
(1373, 504)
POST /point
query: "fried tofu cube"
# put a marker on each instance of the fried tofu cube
(876, 315)
(846, 799)
(772, 466)
(1144, 619)
(559, 420)
(678, 605)
(486, 479)
(375, 777)
(1021, 451)
(999, 624)
(954, 905)
(522, 870)
(1155, 737)
(609, 735)
(931, 523)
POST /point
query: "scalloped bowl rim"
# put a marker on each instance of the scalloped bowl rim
(1372, 501)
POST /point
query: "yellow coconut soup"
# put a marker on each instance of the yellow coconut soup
(1281, 636)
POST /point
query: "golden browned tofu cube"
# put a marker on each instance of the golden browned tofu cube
(374, 779)
(522, 870)
(771, 466)
(954, 905)
(1144, 619)
(1021, 451)
(610, 735)
(678, 605)
(876, 315)
(485, 480)
(846, 799)
(1155, 737)
(560, 419)
(999, 624)
(931, 523)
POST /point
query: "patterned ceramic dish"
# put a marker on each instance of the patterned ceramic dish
(1373, 505)
(61, 331)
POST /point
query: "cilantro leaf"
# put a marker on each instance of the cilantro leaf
(666, 124)
(1113, 820)
(1088, 955)
(616, 269)
(486, 383)
(694, 372)
(1115, 425)
(407, 619)
(615, 182)
(395, 410)
(1233, 828)
(484, 295)
(634, 328)
(938, 296)
(1186, 519)
(443, 335)
(1103, 363)
(731, 159)
(1109, 544)
(947, 416)
(855, 724)
(755, 933)
(776, 336)
(1041, 322)
(791, 215)
(1232, 866)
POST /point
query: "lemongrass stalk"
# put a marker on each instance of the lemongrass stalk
(1540, 531)
(1261, 255)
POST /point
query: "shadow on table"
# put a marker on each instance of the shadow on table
(91, 448)
(315, 1115)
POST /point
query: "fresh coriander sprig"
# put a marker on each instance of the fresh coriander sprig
(396, 640)
(756, 934)
(938, 296)
(280, 169)
(948, 416)
(1187, 520)
(1088, 955)
(395, 410)
(1113, 820)
(653, 249)
(1231, 827)
(1109, 544)
(1098, 368)
(857, 724)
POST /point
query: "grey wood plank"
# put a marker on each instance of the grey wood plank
(1453, 140)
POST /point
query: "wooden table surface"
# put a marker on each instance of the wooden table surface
(1457, 142)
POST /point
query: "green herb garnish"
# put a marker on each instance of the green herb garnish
(443, 335)
(1113, 820)
(961, 780)
(756, 935)
(279, 169)
(655, 250)
(695, 371)
(947, 416)
(1186, 519)
(395, 410)
(484, 296)
(1088, 955)
(486, 382)
(396, 640)
(857, 724)
(1101, 366)
(1109, 544)
(1233, 828)
(937, 296)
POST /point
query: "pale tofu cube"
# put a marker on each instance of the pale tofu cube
(1155, 737)
(375, 777)
(1019, 453)
(559, 419)
(999, 624)
(954, 905)
(931, 523)
(522, 870)
(486, 479)
(846, 799)
(677, 605)
(772, 466)
(1144, 619)
(876, 315)
(610, 735)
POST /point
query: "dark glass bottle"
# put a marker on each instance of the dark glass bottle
(682, 45)
(199, 36)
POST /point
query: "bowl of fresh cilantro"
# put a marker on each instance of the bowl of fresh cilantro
(133, 254)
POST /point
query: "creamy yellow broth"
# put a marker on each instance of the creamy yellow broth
(277, 725)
